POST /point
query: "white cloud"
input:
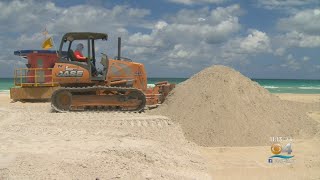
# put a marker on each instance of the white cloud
(160, 25)
(306, 21)
(290, 5)
(17, 16)
(23, 21)
(301, 29)
(188, 39)
(280, 51)
(92, 18)
(182, 41)
(32, 16)
(213, 17)
(139, 39)
(291, 63)
(255, 43)
(181, 52)
(191, 2)
(297, 39)
(184, 27)
(305, 58)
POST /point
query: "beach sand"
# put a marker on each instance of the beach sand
(251, 162)
(39, 144)
(304, 98)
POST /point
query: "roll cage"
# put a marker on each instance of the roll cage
(72, 36)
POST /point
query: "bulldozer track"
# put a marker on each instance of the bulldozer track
(140, 123)
(98, 108)
(101, 110)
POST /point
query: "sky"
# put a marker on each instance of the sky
(271, 39)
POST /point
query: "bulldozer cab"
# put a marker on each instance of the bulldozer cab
(88, 39)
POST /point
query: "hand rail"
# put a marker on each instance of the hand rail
(31, 77)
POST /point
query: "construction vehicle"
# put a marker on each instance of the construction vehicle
(121, 84)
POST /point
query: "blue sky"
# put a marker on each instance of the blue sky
(177, 38)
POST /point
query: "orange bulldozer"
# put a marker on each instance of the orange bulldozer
(120, 85)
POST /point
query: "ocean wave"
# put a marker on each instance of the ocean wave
(276, 87)
(150, 85)
(271, 87)
(4, 91)
(309, 87)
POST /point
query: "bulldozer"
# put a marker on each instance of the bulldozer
(120, 85)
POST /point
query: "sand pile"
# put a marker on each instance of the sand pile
(220, 107)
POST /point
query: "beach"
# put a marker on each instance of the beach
(304, 98)
(160, 90)
(39, 144)
(250, 162)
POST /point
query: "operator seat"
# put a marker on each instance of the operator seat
(71, 55)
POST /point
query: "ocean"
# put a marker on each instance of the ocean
(273, 85)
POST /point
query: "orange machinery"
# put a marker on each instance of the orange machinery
(120, 85)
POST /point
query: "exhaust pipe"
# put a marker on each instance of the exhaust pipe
(119, 48)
